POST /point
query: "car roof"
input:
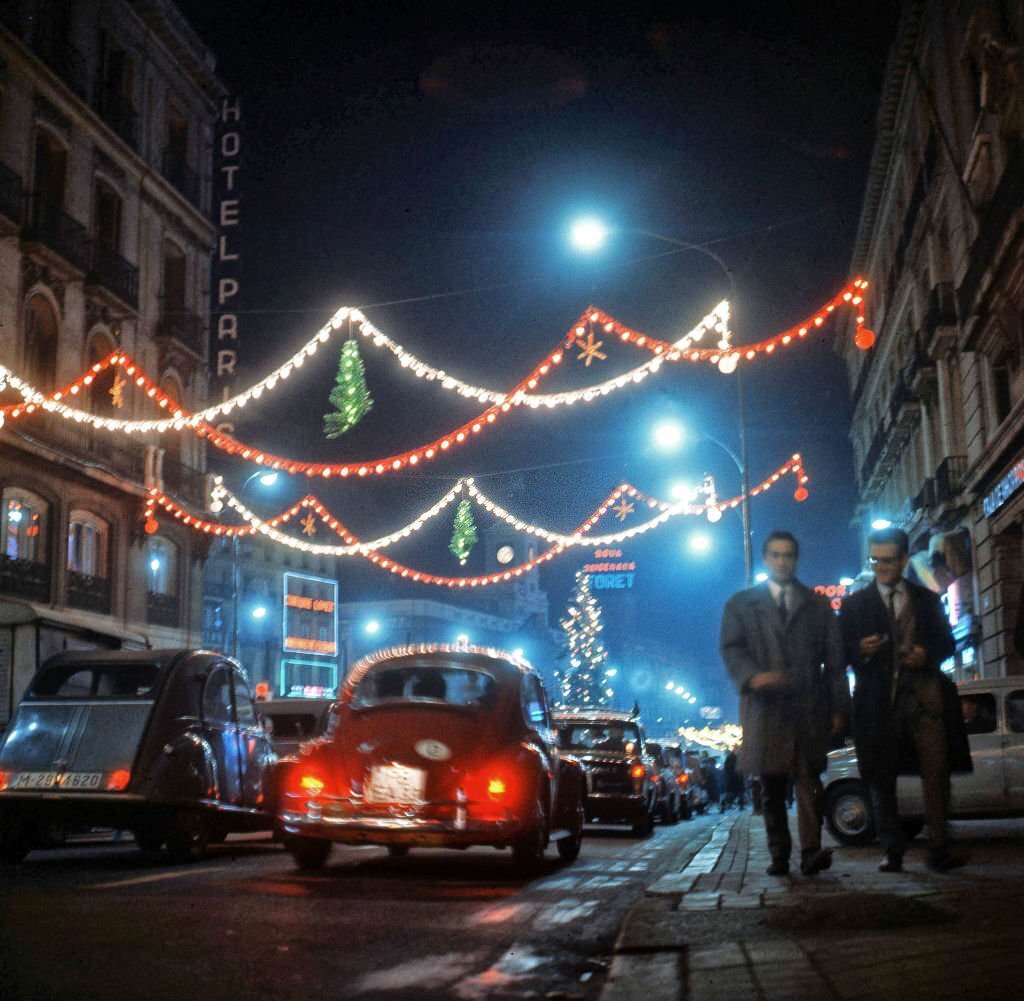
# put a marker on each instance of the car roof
(594, 716)
(987, 684)
(500, 661)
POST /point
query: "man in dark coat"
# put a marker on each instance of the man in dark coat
(906, 714)
(781, 646)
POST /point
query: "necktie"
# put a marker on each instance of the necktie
(783, 610)
(892, 605)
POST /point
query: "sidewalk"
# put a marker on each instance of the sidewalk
(718, 929)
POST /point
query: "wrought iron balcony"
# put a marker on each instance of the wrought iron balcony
(24, 578)
(91, 594)
(162, 609)
(12, 202)
(949, 478)
(113, 272)
(181, 175)
(925, 498)
(184, 326)
(183, 481)
(49, 224)
(85, 444)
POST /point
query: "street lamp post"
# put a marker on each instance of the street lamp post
(267, 479)
(588, 235)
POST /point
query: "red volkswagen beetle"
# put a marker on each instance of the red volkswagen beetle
(435, 746)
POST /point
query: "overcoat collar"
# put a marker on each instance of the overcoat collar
(797, 595)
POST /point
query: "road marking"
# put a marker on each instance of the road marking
(155, 878)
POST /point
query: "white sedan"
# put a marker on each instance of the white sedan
(994, 714)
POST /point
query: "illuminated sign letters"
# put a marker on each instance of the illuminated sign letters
(310, 612)
(609, 570)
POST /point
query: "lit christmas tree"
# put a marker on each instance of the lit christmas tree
(350, 397)
(463, 532)
(584, 682)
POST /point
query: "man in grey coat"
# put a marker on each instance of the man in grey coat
(782, 647)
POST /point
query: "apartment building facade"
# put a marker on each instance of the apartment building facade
(938, 419)
(107, 115)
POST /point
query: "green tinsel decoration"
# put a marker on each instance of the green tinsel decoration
(350, 397)
(463, 532)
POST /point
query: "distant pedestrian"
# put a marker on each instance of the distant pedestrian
(906, 714)
(782, 648)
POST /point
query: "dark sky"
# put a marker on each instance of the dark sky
(424, 161)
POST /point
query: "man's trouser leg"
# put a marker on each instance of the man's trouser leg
(886, 813)
(929, 735)
(776, 824)
(808, 793)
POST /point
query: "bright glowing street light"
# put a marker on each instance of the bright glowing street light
(588, 234)
(699, 543)
(259, 612)
(846, 581)
(668, 435)
(760, 577)
(879, 523)
(372, 627)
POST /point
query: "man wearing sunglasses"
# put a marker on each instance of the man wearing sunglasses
(906, 716)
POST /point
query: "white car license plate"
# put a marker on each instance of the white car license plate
(396, 784)
(57, 780)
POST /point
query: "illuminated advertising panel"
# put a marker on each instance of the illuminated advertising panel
(310, 615)
(610, 570)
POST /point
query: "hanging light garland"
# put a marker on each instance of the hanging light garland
(371, 550)
(726, 357)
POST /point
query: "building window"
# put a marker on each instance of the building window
(107, 208)
(161, 566)
(1001, 396)
(24, 525)
(87, 544)
(102, 391)
(41, 344)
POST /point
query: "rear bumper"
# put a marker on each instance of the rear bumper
(345, 821)
(605, 806)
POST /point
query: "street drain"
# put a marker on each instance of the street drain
(859, 911)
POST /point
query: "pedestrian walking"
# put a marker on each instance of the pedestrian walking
(782, 649)
(906, 714)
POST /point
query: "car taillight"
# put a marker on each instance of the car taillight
(5, 779)
(497, 787)
(311, 785)
(683, 779)
(119, 779)
(637, 771)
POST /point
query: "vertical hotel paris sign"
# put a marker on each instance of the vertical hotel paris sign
(227, 267)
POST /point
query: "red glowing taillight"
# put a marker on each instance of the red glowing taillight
(497, 788)
(637, 771)
(5, 779)
(311, 785)
(118, 780)
(683, 779)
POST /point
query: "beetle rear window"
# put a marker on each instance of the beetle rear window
(97, 681)
(596, 736)
(419, 683)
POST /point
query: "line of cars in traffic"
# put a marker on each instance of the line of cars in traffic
(428, 745)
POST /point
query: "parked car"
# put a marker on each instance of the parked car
(436, 746)
(994, 715)
(291, 722)
(672, 782)
(611, 747)
(165, 743)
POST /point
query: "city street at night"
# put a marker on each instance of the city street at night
(687, 913)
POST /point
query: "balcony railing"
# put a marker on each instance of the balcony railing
(162, 609)
(183, 481)
(91, 594)
(926, 496)
(12, 202)
(24, 578)
(181, 175)
(50, 224)
(85, 444)
(113, 272)
(949, 477)
(185, 327)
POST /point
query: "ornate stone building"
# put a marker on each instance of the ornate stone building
(938, 423)
(106, 127)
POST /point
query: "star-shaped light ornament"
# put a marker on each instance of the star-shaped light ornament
(623, 509)
(117, 391)
(589, 349)
(309, 524)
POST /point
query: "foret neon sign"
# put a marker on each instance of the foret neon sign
(610, 570)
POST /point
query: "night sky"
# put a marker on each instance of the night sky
(424, 162)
